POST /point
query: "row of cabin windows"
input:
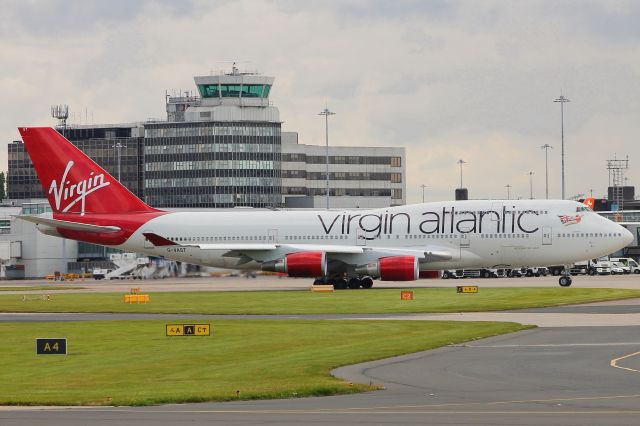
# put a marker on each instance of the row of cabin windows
(590, 234)
(406, 237)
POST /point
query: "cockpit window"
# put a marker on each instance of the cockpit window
(583, 209)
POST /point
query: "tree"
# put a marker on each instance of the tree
(3, 193)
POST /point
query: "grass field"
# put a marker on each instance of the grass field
(305, 302)
(134, 363)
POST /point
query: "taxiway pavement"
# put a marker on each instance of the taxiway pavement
(566, 372)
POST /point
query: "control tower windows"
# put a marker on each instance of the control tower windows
(209, 90)
(230, 90)
(234, 90)
(252, 90)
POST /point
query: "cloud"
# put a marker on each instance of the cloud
(445, 79)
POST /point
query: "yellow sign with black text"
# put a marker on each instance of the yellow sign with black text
(467, 288)
(188, 329)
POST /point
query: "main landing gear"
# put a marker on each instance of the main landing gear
(340, 283)
(565, 279)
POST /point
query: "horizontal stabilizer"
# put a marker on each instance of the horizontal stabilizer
(65, 224)
(157, 240)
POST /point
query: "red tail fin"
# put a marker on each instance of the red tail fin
(589, 202)
(72, 181)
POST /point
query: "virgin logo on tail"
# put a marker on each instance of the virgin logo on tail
(71, 194)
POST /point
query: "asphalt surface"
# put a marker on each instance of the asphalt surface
(576, 369)
(277, 283)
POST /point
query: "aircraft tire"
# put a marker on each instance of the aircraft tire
(366, 282)
(354, 283)
(564, 281)
(340, 284)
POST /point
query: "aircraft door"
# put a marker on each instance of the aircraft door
(547, 236)
(272, 236)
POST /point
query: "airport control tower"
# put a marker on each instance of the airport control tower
(220, 148)
(235, 96)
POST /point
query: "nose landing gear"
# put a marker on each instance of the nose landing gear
(565, 279)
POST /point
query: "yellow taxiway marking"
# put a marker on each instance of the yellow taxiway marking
(614, 362)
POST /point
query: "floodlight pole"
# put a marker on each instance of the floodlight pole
(546, 147)
(531, 185)
(326, 114)
(508, 193)
(461, 162)
(118, 146)
(423, 186)
(562, 101)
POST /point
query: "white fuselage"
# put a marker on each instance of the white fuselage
(476, 233)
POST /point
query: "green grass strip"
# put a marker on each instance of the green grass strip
(304, 302)
(134, 363)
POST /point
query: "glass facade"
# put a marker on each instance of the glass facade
(188, 164)
(212, 164)
(234, 90)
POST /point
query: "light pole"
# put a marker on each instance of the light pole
(531, 185)
(118, 146)
(423, 186)
(508, 192)
(326, 114)
(546, 147)
(562, 101)
(461, 162)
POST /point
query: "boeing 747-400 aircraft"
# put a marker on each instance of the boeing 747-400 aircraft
(342, 247)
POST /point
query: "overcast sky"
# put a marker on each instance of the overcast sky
(446, 79)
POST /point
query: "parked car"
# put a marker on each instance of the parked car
(514, 273)
(618, 268)
(535, 271)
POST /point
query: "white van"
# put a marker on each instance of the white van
(633, 266)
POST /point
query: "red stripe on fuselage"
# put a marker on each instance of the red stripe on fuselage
(127, 222)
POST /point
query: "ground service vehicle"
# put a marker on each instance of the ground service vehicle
(633, 266)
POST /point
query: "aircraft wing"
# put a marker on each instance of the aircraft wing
(346, 253)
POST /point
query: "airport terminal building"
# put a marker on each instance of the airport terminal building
(225, 148)
(221, 148)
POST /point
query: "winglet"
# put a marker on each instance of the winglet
(157, 240)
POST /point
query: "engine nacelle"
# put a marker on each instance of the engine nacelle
(394, 268)
(309, 264)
